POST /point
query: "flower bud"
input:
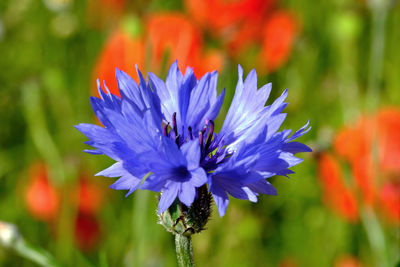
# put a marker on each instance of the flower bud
(8, 234)
(183, 220)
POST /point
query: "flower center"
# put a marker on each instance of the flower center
(181, 173)
(211, 150)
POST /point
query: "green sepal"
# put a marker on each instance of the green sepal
(183, 220)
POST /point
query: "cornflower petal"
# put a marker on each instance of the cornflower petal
(167, 197)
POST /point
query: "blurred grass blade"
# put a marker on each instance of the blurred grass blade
(141, 226)
(379, 13)
(103, 262)
(42, 139)
(376, 237)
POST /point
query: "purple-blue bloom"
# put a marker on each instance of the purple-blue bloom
(161, 135)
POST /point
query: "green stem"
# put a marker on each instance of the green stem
(376, 237)
(35, 254)
(184, 250)
(10, 238)
(379, 13)
(141, 229)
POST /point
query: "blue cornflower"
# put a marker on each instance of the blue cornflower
(161, 135)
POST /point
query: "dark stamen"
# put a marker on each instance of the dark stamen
(204, 128)
(210, 135)
(190, 133)
(165, 129)
(201, 141)
(201, 136)
(174, 124)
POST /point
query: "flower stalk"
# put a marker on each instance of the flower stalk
(10, 238)
(184, 250)
(185, 221)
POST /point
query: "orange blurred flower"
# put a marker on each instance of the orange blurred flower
(88, 196)
(168, 37)
(175, 35)
(347, 261)
(389, 139)
(41, 197)
(122, 51)
(224, 18)
(390, 201)
(245, 24)
(336, 194)
(43, 202)
(372, 149)
(279, 33)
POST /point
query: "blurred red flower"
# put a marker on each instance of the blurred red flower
(389, 140)
(279, 34)
(336, 193)
(122, 51)
(347, 261)
(168, 37)
(41, 197)
(174, 35)
(87, 231)
(244, 24)
(390, 201)
(43, 202)
(88, 195)
(372, 149)
(226, 18)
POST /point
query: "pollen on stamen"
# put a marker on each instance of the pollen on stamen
(175, 128)
(165, 129)
(210, 135)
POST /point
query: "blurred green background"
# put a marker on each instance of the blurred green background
(340, 59)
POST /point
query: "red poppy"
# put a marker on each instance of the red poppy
(336, 194)
(170, 34)
(122, 51)
(347, 261)
(372, 149)
(353, 142)
(41, 198)
(225, 17)
(87, 231)
(244, 37)
(389, 139)
(210, 60)
(88, 196)
(364, 175)
(173, 34)
(237, 24)
(176, 37)
(244, 24)
(390, 201)
(279, 33)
